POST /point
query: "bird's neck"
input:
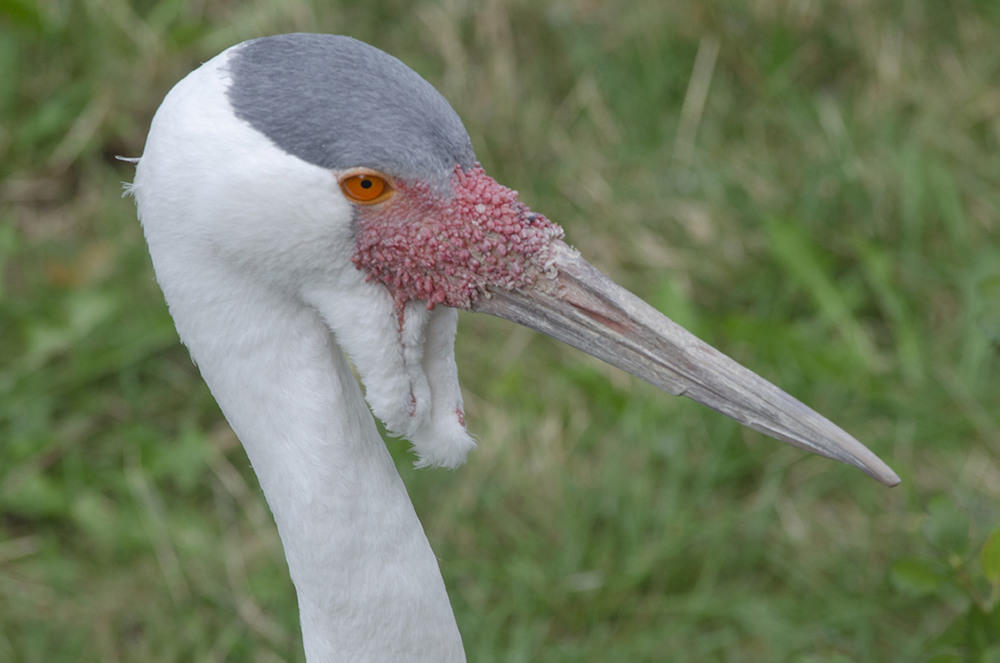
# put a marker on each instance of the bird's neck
(369, 587)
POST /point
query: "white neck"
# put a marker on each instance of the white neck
(237, 229)
(368, 584)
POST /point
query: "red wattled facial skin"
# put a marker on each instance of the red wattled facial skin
(428, 247)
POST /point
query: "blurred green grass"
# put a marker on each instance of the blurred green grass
(812, 187)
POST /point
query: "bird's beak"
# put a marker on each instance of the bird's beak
(579, 305)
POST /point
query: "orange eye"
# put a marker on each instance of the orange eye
(365, 187)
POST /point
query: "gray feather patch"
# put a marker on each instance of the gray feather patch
(339, 103)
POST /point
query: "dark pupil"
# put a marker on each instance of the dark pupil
(366, 184)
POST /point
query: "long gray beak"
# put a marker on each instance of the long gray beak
(582, 307)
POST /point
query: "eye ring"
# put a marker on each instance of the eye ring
(365, 186)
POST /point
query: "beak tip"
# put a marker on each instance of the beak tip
(886, 475)
(865, 460)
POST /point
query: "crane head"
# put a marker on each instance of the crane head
(322, 171)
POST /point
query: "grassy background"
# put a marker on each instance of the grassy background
(812, 187)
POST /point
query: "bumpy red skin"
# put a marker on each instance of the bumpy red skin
(430, 247)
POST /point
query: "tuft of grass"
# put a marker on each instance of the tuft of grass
(811, 187)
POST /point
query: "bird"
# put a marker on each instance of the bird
(308, 200)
